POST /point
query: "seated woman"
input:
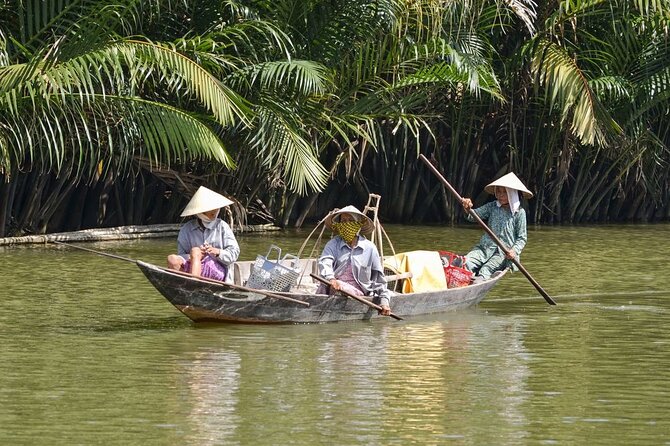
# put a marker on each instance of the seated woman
(206, 246)
(507, 220)
(350, 261)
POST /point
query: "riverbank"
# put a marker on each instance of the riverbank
(118, 233)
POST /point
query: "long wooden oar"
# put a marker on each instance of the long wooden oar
(184, 273)
(100, 253)
(488, 230)
(358, 298)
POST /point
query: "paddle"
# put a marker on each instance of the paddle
(488, 230)
(184, 273)
(358, 298)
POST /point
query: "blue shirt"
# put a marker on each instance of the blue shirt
(510, 228)
(193, 234)
(366, 265)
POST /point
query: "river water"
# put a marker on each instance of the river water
(92, 354)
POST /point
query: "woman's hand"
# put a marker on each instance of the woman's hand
(467, 204)
(334, 284)
(209, 249)
(510, 254)
(385, 311)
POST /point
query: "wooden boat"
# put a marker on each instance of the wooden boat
(204, 299)
(207, 300)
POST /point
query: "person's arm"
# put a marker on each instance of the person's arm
(326, 262)
(520, 232)
(381, 289)
(183, 244)
(231, 249)
(482, 211)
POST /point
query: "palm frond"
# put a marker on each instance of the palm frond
(652, 7)
(68, 135)
(86, 23)
(291, 77)
(526, 11)
(281, 143)
(568, 89)
(446, 74)
(4, 55)
(127, 64)
(177, 70)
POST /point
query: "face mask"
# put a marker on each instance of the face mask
(348, 230)
(207, 222)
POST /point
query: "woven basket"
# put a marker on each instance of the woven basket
(280, 275)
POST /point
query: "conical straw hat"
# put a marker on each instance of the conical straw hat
(205, 200)
(510, 180)
(334, 216)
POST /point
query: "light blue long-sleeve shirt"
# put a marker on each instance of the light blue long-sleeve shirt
(366, 265)
(193, 234)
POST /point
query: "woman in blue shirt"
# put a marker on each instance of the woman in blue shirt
(507, 220)
(351, 262)
(206, 246)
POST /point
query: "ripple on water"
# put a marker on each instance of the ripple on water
(93, 354)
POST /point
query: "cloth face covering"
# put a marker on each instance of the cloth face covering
(208, 222)
(513, 198)
(348, 230)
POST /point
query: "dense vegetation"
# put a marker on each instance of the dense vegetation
(112, 113)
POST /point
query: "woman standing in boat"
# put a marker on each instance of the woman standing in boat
(507, 220)
(350, 261)
(206, 246)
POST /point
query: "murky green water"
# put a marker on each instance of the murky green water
(90, 353)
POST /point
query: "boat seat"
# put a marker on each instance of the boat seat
(394, 277)
(241, 271)
(395, 280)
(307, 267)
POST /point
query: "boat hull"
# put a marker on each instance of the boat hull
(202, 300)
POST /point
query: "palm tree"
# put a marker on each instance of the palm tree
(600, 105)
(393, 62)
(84, 97)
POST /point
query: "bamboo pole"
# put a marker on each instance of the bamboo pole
(194, 277)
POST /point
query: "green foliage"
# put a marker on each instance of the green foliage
(83, 95)
(572, 95)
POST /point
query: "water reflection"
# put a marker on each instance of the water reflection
(383, 382)
(212, 378)
(93, 354)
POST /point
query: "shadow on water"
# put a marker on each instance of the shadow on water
(135, 325)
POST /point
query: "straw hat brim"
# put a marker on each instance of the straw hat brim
(511, 181)
(205, 200)
(367, 227)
